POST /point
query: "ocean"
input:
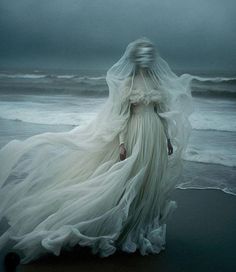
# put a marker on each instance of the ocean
(36, 101)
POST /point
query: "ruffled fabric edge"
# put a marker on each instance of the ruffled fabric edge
(151, 238)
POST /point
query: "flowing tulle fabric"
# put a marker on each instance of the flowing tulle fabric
(58, 195)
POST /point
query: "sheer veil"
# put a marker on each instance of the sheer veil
(176, 100)
(175, 105)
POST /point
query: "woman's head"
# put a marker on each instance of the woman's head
(143, 53)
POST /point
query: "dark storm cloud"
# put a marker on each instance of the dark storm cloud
(186, 32)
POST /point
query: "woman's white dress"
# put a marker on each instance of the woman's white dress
(95, 200)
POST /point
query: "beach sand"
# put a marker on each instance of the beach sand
(201, 234)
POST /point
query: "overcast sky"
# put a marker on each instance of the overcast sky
(77, 33)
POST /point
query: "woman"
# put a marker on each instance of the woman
(143, 57)
(62, 189)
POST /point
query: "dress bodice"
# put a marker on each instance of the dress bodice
(139, 96)
(144, 103)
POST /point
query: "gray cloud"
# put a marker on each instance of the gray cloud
(77, 32)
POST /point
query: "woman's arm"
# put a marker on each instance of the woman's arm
(122, 144)
(164, 122)
(122, 138)
(158, 109)
(122, 134)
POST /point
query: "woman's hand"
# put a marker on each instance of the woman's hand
(170, 147)
(122, 152)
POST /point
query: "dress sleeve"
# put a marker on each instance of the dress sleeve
(122, 137)
(159, 108)
(122, 134)
(128, 109)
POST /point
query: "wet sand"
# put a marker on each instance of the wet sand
(201, 236)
